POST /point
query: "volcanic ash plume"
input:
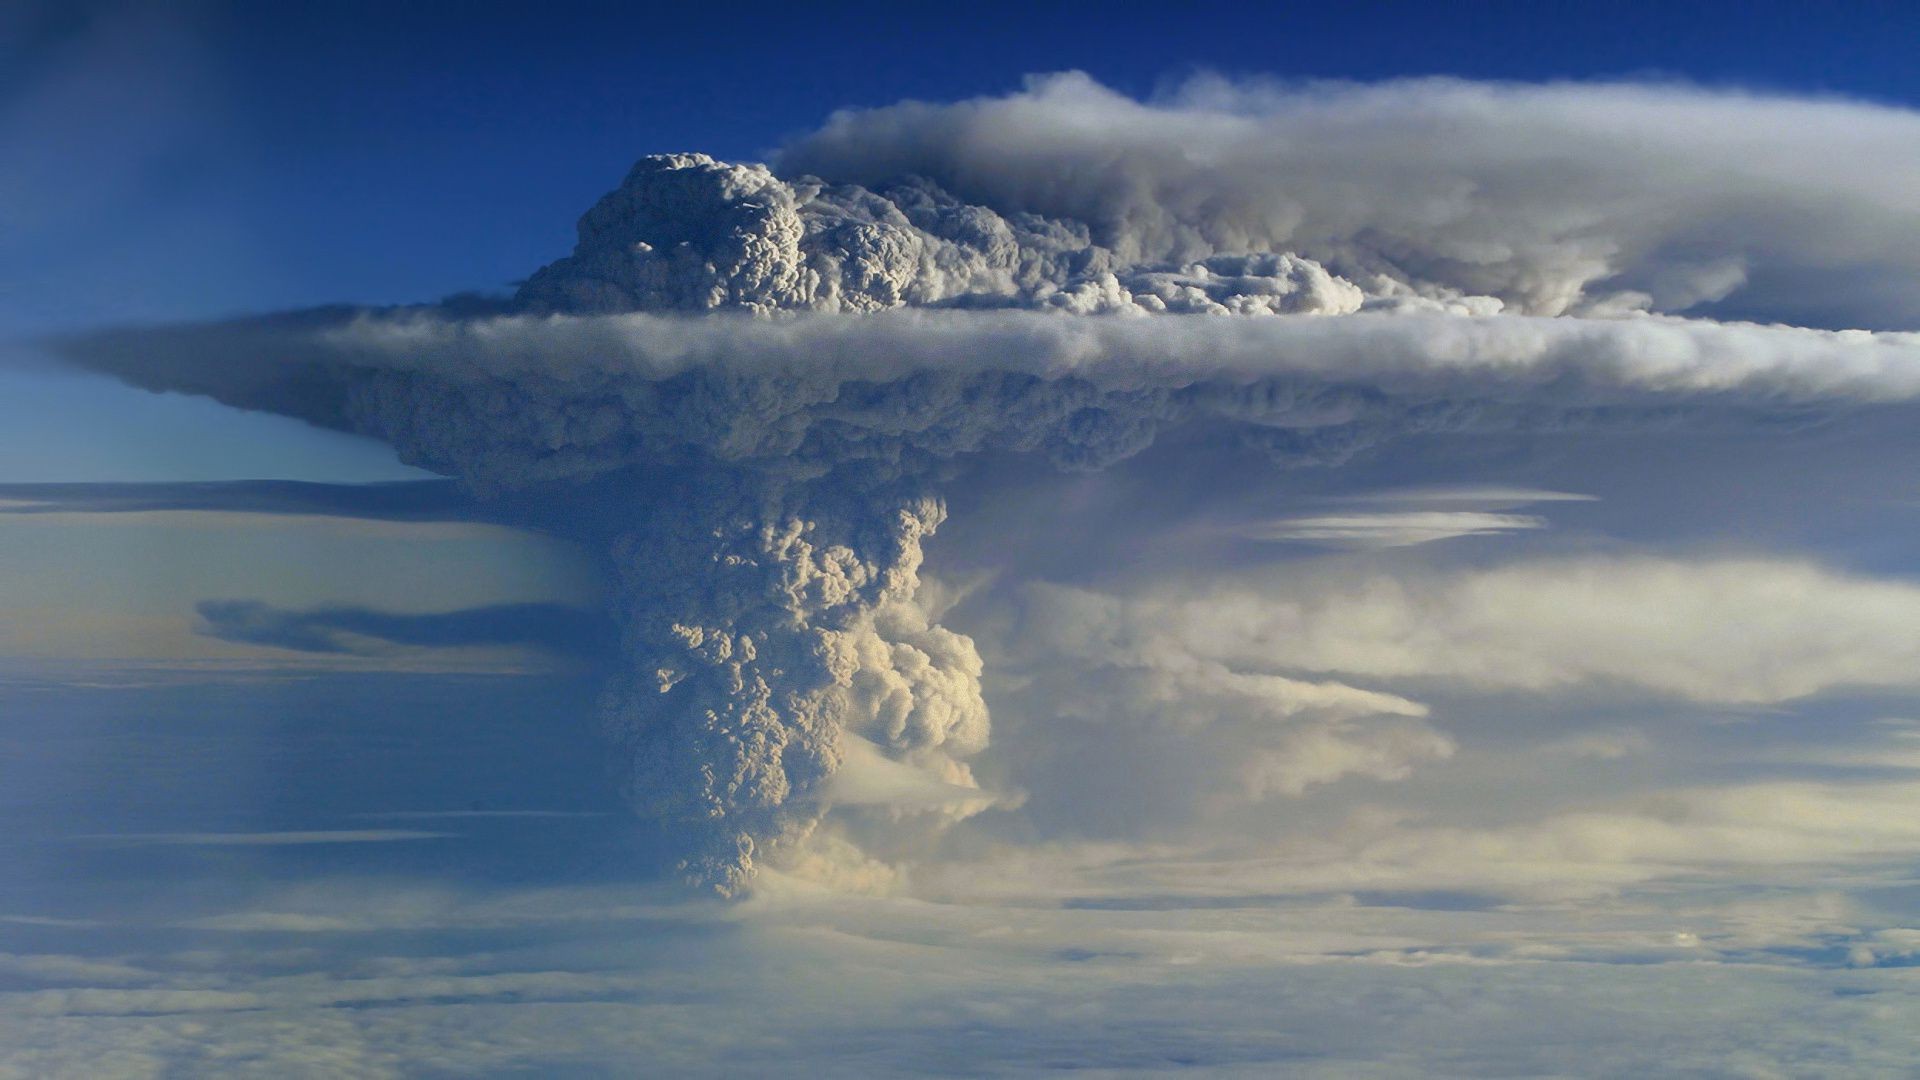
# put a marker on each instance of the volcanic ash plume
(767, 599)
(772, 371)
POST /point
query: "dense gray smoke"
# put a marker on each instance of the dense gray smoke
(780, 368)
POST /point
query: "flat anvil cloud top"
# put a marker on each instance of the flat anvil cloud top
(787, 356)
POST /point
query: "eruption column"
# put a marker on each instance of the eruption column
(761, 625)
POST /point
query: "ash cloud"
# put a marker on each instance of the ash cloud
(516, 400)
(766, 375)
(1561, 198)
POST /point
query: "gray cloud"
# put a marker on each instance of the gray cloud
(554, 627)
(408, 500)
(516, 400)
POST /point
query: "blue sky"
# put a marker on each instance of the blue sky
(1225, 576)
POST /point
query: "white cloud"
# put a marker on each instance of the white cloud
(1114, 719)
(1555, 197)
(1375, 520)
(1726, 630)
(1389, 530)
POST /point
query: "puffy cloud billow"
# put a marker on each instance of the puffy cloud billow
(1558, 198)
(776, 369)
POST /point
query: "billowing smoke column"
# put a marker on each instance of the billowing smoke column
(765, 622)
(775, 371)
(767, 599)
